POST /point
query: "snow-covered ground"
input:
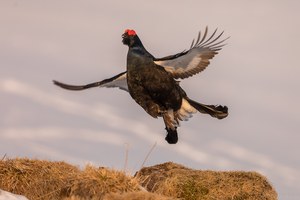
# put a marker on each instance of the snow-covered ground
(4, 195)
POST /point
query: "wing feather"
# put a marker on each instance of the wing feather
(119, 81)
(196, 59)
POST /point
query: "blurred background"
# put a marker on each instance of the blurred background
(75, 41)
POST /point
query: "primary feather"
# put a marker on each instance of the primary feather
(115, 81)
(194, 60)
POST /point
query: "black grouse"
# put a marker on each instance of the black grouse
(152, 83)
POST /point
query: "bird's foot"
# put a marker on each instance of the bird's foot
(172, 136)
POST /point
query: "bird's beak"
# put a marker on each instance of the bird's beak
(124, 38)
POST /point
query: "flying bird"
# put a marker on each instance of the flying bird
(153, 82)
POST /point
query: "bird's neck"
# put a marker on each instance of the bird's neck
(138, 57)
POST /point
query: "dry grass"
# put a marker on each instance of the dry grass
(177, 181)
(37, 179)
(128, 196)
(137, 196)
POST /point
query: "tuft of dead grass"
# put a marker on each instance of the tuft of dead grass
(95, 183)
(38, 179)
(177, 181)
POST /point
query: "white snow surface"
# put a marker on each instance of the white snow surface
(4, 195)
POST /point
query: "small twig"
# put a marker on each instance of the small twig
(148, 154)
(146, 158)
(3, 157)
(126, 157)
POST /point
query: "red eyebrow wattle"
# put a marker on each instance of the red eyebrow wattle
(130, 32)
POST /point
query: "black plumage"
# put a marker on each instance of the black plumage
(152, 83)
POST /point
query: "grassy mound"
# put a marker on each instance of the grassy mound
(37, 179)
(175, 180)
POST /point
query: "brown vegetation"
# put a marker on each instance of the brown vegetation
(175, 180)
(37, 179)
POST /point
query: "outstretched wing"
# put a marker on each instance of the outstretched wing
(194, 60)
(116, 81)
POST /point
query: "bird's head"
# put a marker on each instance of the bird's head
(130, 38)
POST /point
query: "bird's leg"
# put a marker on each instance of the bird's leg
(153, 109)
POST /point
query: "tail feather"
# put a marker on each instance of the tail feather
(219, 111)
(188, 107)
